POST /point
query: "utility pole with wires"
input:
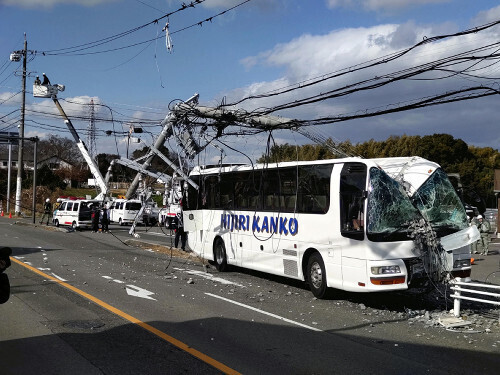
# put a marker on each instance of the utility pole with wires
(20, 162)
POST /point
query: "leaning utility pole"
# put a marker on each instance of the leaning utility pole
(20, 163)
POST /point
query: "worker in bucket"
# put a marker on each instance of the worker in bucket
(47, 211)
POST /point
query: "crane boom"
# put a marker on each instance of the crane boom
(50, 91)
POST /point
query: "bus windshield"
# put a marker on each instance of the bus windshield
(390, 210)
(439, 203)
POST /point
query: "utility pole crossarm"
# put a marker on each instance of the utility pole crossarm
(166, 132)
(266, 122)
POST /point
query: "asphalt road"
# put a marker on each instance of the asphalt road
(85, 303)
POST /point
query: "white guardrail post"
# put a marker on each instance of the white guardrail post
(458, 287)
(457, 300)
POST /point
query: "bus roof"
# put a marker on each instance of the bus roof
(201, 169)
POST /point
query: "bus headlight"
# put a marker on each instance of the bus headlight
(384, 270)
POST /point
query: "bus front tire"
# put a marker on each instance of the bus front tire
(56, 223)
(73, 225)
(120, 222)
(316, 275)
(220, 256)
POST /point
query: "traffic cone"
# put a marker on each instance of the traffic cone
(472, 261)
(10, 215)
(2, 213)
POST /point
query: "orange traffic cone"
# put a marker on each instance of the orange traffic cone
(10, 215)
(471, 260)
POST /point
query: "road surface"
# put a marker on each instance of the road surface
(86, 303)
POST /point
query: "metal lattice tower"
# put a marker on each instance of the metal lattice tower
(91, 131)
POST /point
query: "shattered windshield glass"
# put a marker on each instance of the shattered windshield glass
(439, 203)
(389, 209)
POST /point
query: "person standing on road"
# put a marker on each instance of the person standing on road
(104, 220)
(179, 232)
(484, 228)
(47, 210)
(95, 219)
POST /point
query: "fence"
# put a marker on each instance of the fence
(459, 290)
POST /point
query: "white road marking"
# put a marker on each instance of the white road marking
(43, 269)
(58, 277)
(209, 276)
(115, 280)
(265, 312)
(135, 291)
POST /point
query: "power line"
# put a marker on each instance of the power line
(362, 66)
(73, 51)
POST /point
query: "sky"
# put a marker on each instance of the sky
(257, 47)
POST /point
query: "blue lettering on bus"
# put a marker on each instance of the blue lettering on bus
(293, 226)
(241, 224)
(265, 224)
(283, 221)
(274, 225)
(270, 224)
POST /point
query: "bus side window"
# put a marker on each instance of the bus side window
(352, 200)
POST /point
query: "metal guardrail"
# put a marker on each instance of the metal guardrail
(459, 290)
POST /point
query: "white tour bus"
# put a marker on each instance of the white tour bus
(341, 223)
(123, 211)
(76, 213)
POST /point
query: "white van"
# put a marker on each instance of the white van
(75, 213)
(123, 211)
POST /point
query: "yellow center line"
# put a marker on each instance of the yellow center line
(179, 344)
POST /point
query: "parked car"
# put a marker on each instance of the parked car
(75, 213)
(150, 215)
(123, 211)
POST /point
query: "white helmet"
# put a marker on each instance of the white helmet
(479, 216)
(47, 200)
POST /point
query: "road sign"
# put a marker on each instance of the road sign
(9, 137)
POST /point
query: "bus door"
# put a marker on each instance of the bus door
(221, 193)
(352, 196)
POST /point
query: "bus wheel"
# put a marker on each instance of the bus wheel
(56, 223)
(220, 256)
(120, 222)
(316, 275)
(73, 225)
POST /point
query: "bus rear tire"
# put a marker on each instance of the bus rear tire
(120, 222)
(316, 275)
(73, 225)
(220, 256)
(56, 223)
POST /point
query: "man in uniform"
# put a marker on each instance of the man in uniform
(484, 228)
(47, 210)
